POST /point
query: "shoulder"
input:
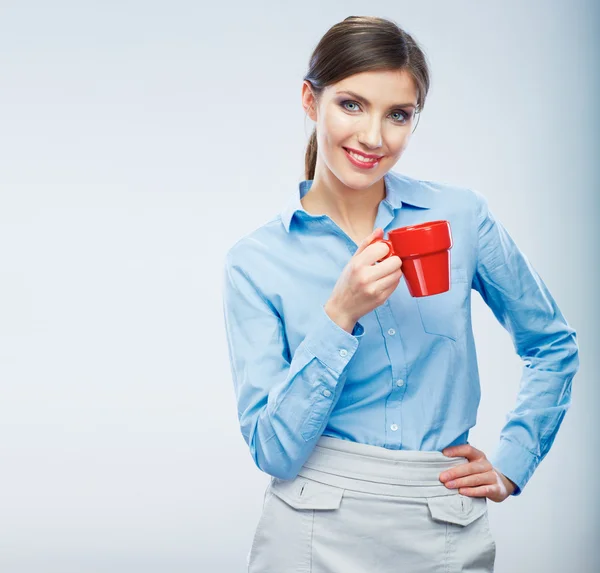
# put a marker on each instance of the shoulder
(458, 197)
(452, 191)
(256, 244)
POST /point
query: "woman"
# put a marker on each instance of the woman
(354, 396)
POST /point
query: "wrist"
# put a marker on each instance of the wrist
(342, 320)
(511, 486)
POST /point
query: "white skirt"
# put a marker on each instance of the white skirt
(357, 508)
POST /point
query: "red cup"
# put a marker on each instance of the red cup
(425, 253)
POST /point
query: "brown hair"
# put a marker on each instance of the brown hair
(360, 44)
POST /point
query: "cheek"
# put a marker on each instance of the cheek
(338, 127)
(398, 140)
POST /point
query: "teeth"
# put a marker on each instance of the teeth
(361, 158)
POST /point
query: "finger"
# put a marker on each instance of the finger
(389, 281)
(473, 480)
(376, 234)
(476, 467)
(387, 269)
(464, 450)
(480, 491)
(374, 252)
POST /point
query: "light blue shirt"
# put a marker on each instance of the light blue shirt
(406, 377)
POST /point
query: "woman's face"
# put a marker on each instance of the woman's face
(379, 124)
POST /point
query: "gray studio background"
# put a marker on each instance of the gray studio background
(138, 142)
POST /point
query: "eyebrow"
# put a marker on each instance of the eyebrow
(368, 103)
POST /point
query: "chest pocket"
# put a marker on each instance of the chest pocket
(442, 314)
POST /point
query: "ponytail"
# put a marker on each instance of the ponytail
(310, 159)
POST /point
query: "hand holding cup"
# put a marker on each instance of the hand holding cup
(425, 253)
(364, 285)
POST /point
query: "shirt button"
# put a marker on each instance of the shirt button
(343, 352)
(391, 332)
(400, 382)
(394, 427)
(326, 393)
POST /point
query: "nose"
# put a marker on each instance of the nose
(371, 137)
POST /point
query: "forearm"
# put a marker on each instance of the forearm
(542, 402)
(282, 431)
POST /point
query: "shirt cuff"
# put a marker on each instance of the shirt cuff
(515, 462)
(331, 344)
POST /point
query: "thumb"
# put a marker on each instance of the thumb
(376, 234)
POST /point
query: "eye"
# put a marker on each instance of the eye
(403, 119)
(348, 101)
(405, 116)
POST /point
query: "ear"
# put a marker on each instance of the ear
(309, 103)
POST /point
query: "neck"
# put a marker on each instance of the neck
(350, 208)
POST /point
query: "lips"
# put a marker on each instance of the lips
(366, 165)
(366, 155)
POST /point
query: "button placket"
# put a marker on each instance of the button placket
(395, 351)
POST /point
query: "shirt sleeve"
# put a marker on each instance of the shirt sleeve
(284, 401)
(521, 302)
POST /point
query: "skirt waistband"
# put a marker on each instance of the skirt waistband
(377, 470)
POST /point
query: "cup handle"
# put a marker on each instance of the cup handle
(389, 244)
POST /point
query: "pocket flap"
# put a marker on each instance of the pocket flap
(459, 509)
(303, 493)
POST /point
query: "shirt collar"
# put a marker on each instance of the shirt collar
(399, 189)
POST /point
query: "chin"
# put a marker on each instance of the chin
(366, 175)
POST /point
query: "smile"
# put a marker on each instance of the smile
(362, 161)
